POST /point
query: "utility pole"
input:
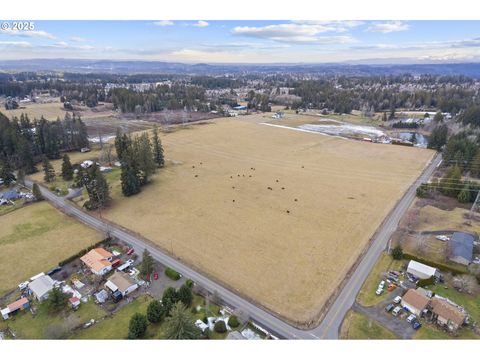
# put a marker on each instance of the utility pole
(474, 206)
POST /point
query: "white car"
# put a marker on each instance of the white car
(379, 291)
(382, 284)
(411, 318)
(397, 300)
(23, 285)
(396, 311)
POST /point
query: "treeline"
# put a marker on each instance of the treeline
(345, 94)
(140, 157)
(213, 82)
(405, 125)
(176, 97)
(23, 143)
(451, 185)
(258, 101)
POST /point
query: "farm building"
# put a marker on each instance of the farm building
(422, 271)
(121, 282)
(446, 314)
(41, 287)
(415, 301)
(10, 195)
(98, 260)
(460, 248)
(12, 308)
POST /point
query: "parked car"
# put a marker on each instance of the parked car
(397, 300)
(116, 263)
(23, 285)
(397, 311)
(130, 251)
(379, 291)
(411, 318)
(382, 284)
(155, 276)
(54, 270)
(416, 325)
(389, 307)
(391, 287)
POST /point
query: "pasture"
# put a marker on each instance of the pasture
(34, 239)
(278, 215)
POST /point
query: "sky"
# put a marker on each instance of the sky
(204, 41)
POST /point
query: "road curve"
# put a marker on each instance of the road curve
(330, 325)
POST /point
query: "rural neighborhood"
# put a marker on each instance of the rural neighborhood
(233, 190)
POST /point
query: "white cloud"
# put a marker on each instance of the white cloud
(388, 27)
(32, 34)
(78, 39)
(163, 23)
(15, 43)
(293, 33)
(201, 23)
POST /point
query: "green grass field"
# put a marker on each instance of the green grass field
(35, 238)
(360, 327)
(47, 326)
(367, 296)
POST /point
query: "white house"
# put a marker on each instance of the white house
(41, 287)
(121, 282)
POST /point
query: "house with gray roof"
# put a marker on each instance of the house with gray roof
(460, 248)
(41, 287)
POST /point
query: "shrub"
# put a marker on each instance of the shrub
(422, 191)
(172, 274)
(189, 283)
(233, 321)
(138, 326)
(155, 311)
(397, 253)
(452, 268)
(220, 327)
(426, 282)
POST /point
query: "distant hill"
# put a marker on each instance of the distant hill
(132, 67)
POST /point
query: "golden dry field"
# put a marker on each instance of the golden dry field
(49, 111)
(276, 214)
(34, 239)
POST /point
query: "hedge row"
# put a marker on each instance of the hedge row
(84, 251)
(172, 274)
(454, 269)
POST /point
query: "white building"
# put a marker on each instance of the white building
(41, 287)
(422, 271)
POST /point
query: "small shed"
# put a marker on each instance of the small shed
(460, 248)
(12, 308)
(74, 302)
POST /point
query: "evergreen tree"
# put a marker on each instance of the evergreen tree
(146, 267)
(464, 194)
(138, 326)
(157, 149)
(169, 298)
(155, 312)
(57, 300)
(438, 137)
(384, 116)
(97, 188)
(129, 180)
(185, 295)
(438, 117)
(67, 168)
(475, 165)
(48, 171)
(6, 171)
(180, 324)
(451, 183)
(36, 192)
(143, 157)
(122, 144)
(397, 253)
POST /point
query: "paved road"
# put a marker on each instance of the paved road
(329, 327)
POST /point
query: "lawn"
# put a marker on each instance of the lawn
(367, 296)
(116, 326)
(49, 326)
(360, 327)
(35, 238)
(302, 236)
